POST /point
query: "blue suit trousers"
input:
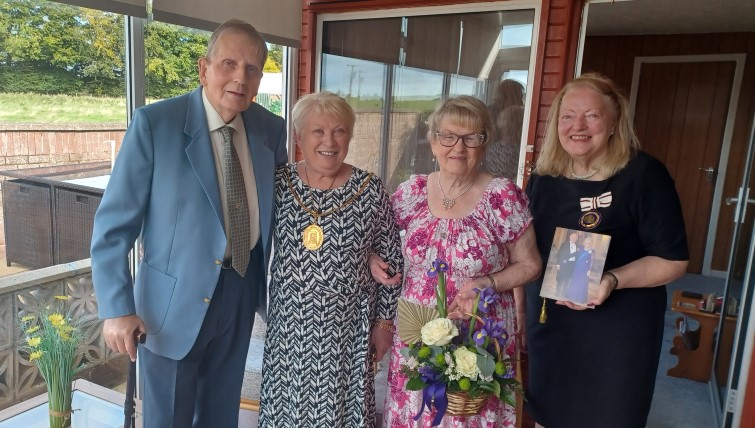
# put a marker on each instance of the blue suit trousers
(203, 388)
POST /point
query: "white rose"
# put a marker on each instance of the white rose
(439, 332)
(466, 363)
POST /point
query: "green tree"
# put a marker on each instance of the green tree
(274, 63)
(172, 55)
(103, 59)
(53, 48)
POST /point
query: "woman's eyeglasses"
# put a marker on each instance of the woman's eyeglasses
(448, 139)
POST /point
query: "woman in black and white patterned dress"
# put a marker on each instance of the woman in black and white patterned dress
(328, 319)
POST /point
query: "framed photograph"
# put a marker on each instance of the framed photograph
(575, 265)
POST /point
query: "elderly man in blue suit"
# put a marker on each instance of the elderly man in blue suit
(195, 178)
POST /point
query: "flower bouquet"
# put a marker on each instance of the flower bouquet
(51, 342)
(458, 365)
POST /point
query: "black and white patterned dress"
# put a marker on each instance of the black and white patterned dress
(316, 370)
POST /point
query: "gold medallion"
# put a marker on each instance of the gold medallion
(590, 219)
(312, 237)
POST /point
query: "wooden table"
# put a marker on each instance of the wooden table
(696, 356)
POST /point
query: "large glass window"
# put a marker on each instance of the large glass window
(171, 69)
(62, 118)
(63, 115)
(394, 81)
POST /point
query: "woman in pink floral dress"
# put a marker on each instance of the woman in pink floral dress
(477, 223)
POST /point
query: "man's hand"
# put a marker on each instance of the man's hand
(120, 334)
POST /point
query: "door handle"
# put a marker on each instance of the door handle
(710, 173)
(736, 200)
(730, 201)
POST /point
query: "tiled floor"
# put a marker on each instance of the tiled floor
(6, 270)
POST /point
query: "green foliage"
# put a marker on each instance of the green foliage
(53, 48)
(415, 384)
(45, 80)
(276, 107)
(274, 61)
(173, 53)
(77, 47)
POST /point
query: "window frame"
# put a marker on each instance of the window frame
(512, 5)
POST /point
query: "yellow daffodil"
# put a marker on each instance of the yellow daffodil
(61, 297)
(65, 328)
(52, 339)
(56, 319)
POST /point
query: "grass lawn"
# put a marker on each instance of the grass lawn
(36, 108)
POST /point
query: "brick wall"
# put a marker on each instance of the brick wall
(36, 145)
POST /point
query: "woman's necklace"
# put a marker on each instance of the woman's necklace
(448, 203)
(580, 177)
(309, 183)
(313, 236)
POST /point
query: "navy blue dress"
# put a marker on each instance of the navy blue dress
(596, 368)
(577, 290)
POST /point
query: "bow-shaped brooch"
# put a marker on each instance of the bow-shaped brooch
(602, 201)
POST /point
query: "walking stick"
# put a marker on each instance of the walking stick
(130, 404)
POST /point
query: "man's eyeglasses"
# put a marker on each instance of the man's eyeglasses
(448, 139)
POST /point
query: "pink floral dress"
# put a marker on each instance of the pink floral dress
(473, 246)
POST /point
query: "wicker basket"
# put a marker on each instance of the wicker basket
(461, 404)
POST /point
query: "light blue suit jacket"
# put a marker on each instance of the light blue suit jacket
(164, 185)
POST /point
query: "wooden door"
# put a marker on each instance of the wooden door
(680, 116)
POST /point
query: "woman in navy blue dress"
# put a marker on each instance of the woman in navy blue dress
(595, 368)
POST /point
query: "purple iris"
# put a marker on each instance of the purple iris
(429, 375)
(463, 330)
(496, 330)
(438, 266)
(488, 297)
(480, 337)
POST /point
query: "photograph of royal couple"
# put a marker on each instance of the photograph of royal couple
(575, 265)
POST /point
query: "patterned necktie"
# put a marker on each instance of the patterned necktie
(238, 207)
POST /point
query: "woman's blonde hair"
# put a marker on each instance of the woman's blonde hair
(464, 111)
(325, 104)
(622, 145)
